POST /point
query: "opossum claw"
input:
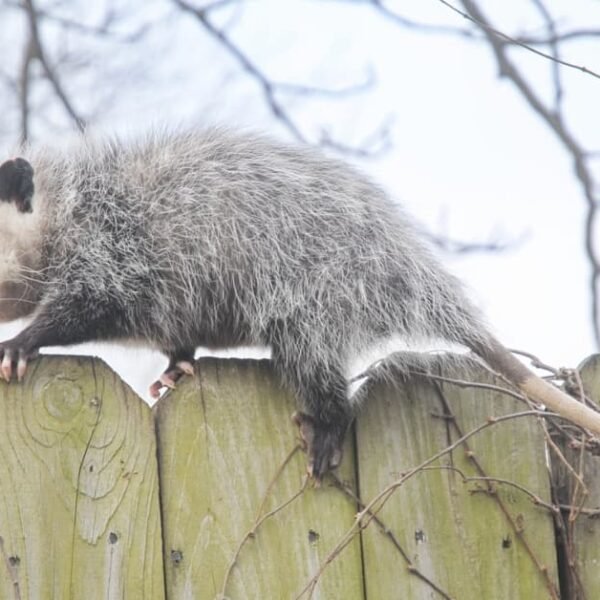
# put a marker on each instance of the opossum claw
(172, 374)
(21, 368)
(154, 389)
(14, 357)
(186, 366)
(7, 365)
(322, 445)
(168, 379)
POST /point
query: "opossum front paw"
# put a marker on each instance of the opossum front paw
(14, 359)
(171, 376)
(322, 444)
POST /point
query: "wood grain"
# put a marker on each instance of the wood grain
(79, 510)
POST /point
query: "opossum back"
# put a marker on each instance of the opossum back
(285, 232)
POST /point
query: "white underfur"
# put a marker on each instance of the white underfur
(376, 353)
(19, 239)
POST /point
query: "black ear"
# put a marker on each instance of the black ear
(16, 183)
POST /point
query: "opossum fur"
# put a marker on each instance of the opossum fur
(219, 239)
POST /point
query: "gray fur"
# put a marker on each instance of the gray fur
(217, 239)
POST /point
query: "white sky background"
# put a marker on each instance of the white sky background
(469, 158)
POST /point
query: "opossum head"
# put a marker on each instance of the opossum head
(19, 240)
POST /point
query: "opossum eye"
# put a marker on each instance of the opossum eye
(16, 183)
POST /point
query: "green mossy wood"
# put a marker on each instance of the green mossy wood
(79, 506)
(87, 510)
(223, 442)
(467, 541)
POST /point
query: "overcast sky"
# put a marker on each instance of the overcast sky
(469, 159)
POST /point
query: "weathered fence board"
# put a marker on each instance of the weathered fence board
(224, 438)
(81, 516)
(79, 506)
(463, 539)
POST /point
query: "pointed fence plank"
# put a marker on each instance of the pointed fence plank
(79, 506)
(452, 538)
(226, 460)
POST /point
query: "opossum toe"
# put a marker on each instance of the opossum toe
(154, 389)
(186, 367)
(14, 361)
(170, 377)
(6, 366)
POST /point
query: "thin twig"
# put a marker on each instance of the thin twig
(512, 521)
(419, 25)
(390, 535)
(535, 499)
(261, 518)
(374, 506)
(462, 383)
(485, 26)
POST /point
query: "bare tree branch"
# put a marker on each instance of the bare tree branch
(307, 90)
(422, 27)
(104, 29)
(376, 144)
(567, 36)
(473, 34)
(459, 247)
(551, 28)
(552, 116)
(23, 89)
(271, 88)
(49, 72)
(555, 121)
(247, 64)
(489, 30)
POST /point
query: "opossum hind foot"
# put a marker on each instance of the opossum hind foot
(179, 365)
(323, 445)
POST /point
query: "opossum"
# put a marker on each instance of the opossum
(212, 238)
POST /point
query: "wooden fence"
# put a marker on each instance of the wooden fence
(204, 497)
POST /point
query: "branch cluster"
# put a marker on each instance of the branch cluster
(39, 62)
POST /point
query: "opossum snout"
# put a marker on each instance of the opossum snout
(16, 183)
